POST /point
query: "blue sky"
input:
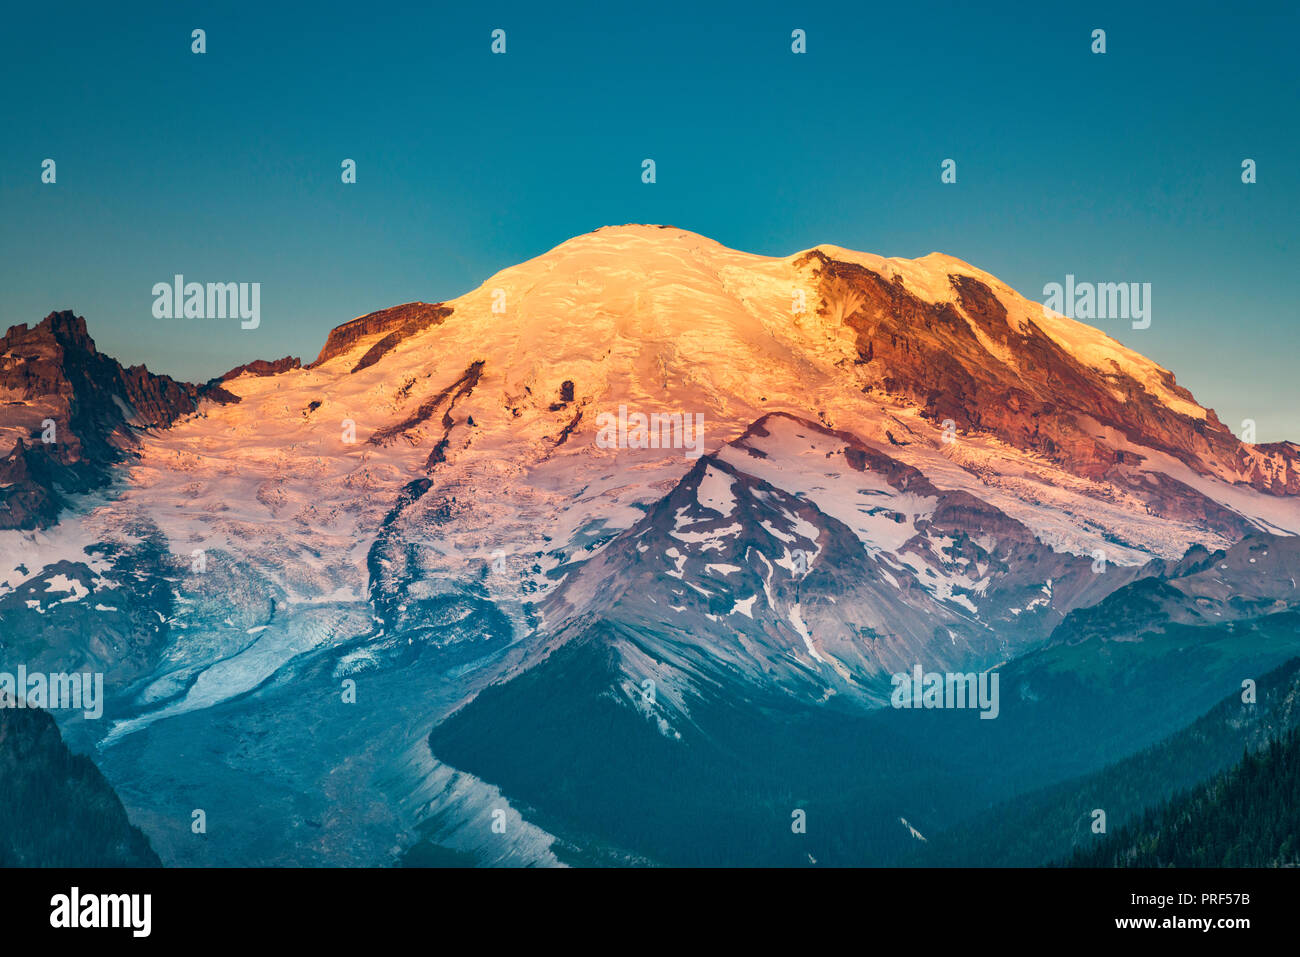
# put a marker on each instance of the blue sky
(225, 166)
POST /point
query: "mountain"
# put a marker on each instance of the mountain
(802, 555)
(720, 498)
(1248, 816)
(1048, 825)
(56, 809)
(996, 363)
(592, 762)
(1256, 576)
(69, 414)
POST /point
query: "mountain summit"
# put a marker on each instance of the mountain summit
(639, 460)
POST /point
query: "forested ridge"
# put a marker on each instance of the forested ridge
(56, 809)
(1248, 816)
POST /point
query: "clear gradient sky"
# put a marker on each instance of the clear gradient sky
(225, 167)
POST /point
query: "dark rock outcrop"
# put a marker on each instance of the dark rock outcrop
(262, 367)
(69, 414)
(395, 324)
(1050, 403)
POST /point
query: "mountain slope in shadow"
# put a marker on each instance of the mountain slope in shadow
(56, 809)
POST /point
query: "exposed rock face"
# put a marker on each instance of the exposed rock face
(969, 361)
(396, 323)
(58, 359)
(29, 499)
(1273, 467)
(262, 367)
(52, 373)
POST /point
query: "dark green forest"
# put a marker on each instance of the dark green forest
(1248, 816)
(1048, 824)
(56, 809)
